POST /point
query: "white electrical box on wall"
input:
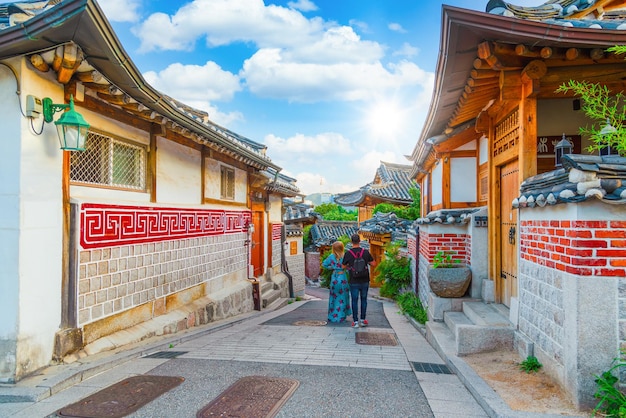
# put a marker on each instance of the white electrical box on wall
(33, 106)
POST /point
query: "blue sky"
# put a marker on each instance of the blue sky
(332, 87)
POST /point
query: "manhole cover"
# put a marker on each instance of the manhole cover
(310, 323)
(122, 398)
(375, 338)
(251, 397)
(166, 354)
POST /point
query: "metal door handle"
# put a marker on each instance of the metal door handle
(512, 235)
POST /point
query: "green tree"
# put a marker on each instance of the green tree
(411, 212)
(601, 106)
(334, 212)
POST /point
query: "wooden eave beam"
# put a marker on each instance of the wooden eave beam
(456, 141)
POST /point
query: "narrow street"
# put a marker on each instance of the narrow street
(335, 371)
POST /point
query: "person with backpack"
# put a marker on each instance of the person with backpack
(357, 261)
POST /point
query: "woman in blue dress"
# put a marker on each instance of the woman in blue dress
(339, 298)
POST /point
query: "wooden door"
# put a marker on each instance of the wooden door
(509, 190)
(256, 246)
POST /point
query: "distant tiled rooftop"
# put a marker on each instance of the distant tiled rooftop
(391, 184)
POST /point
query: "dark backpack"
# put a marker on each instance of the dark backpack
(359, 266)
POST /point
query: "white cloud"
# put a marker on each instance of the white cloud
(396, 27)
(310, 183)
(307, 148)
(407, 50)
(194, 82)
(226, 21)
(303, 5)
(121, 10)
(268, 75)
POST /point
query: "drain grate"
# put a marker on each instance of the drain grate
(251, 397)
(310, 323)
(431, 368)
(375, 338)
(122, 398)
(166, 354)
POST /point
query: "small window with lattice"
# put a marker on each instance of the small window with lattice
(111, 162)
(227, 183)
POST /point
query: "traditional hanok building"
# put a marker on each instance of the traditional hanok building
(552, 254)
(390, 185)
(162, 212)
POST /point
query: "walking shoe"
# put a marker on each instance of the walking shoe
(364, 322)
(355, 325)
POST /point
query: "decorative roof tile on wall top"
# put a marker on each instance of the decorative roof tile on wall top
(582, 177)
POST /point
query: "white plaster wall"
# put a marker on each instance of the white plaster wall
(437, 187)
(9, 220)
(483, 150)
(32, 210)
(212, 181)
(276, 206)
(179, 177)
(463, 179)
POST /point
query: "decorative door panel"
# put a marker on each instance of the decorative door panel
(509, 190)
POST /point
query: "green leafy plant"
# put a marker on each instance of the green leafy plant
(443, 259)
(530, 365)
(612, 402)
(410, 212)
(394, 271)
(601, 105)
(411, 305)
(334, 212)
(306, 236)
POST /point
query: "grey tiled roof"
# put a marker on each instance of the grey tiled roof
(326, 232)
(582, 177)
(382, 223)
(280, 183)
(561, 12)
(448, 216)
(391, 184)
(298, 212)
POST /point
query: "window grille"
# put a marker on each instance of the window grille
(228, 183)
(108, 161)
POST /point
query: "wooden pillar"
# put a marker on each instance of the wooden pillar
(445, 181)
(152, 160)
(528, 129)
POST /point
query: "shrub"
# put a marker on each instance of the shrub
(443, 259)
(612, 402)
(412, 306)
(394, 271)
(530, 365)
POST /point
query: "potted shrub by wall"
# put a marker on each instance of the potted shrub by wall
(448, 278)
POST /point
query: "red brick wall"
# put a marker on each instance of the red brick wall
(585, 248)
(457, 244)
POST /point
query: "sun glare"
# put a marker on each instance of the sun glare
(385, 120)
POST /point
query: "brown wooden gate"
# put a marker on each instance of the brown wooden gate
(509, 188)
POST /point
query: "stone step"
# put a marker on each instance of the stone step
(481, 313)
(268, 297)
(454, 319)
(267, 286)
(441, 339)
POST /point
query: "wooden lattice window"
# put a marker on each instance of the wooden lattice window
(506, 134)
(109, 161)
(227, 183)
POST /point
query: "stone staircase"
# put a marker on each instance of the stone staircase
(478, 327)
(271, 295)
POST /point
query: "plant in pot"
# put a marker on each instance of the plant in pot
(448, 277)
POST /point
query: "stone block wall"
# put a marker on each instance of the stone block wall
(111, 280)
(296, 269)
(572, 291)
